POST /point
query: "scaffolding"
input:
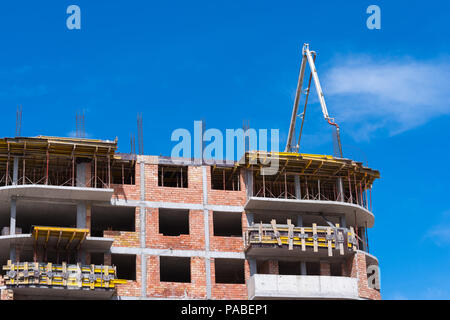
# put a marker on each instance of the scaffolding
(53, 161)
(319, 177)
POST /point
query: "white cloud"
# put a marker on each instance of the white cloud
(391, 95)
(439, 234)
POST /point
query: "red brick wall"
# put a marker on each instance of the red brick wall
(126, 192)
(195, 240)
(228, 244)
(363, 287)
(192, 194)
(126, 238)
(132, 288)
(196, 289)
(325, 268)
(229, 290)
(6, 294)
(269, 267)
(123, 238)
(226, 197)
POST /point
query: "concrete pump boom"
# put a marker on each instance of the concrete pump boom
(307, 56)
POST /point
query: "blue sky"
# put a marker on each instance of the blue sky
(225, 62)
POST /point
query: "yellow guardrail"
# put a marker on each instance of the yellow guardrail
(69, 276)
(290, 236)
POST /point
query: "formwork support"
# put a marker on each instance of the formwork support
(23, 169)
(298, 191)
(15, 170)
(340, 190)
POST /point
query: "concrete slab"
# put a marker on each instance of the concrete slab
(276, 252)
(272, 286)
(45, 293)
(55, 192)
(363, 216)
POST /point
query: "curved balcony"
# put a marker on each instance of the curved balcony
(354, 213)
(306, 183)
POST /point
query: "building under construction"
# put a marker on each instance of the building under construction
(78, 216)
(79, 220)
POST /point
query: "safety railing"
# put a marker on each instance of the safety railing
(70, 276)
(288, 236)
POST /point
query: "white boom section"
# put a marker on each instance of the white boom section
(296, 101)
(307, 56)
(316, 81)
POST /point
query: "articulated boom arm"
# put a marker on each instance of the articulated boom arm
(307, 56)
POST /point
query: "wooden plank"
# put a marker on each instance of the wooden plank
(330, 252)
(260, 230)
(316, 249)
(302, 232)
(36, 267)
(290, 234)
(25, 270)
(92, 274)
(352, 234)
(49, 269)
(79, 276)
(64, 271)
(273, 222)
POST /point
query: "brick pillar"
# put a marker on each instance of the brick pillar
(6, 294)
(89, 183)
(344, 269)
(107, 259)
(88, 217)
(351, 267)
(269, 267)
(325, 269)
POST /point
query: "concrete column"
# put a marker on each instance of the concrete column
(298, 191)
(88, 217)
(303, 268)
(81, 175)
(299, 221)
(340, 189)
(12, 229)
(15, 171)
(206, 224)
(12, 220)
(142, 219)
(253, 269)
(81, 215)
(342, 222)
(363, 238)
(250, 218)
(249, 181)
